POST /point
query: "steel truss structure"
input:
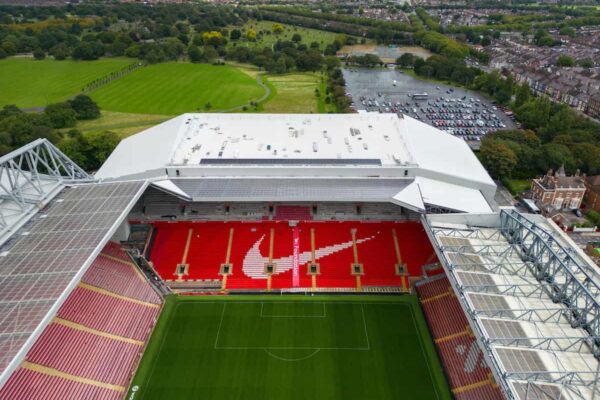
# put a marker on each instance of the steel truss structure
(531, 300)
(31, 176)
(571, 281)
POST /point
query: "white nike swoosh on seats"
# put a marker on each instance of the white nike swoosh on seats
(254, 262)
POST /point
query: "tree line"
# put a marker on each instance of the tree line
(89, 151)
(154, 34)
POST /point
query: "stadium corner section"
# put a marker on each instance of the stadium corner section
(178, 367)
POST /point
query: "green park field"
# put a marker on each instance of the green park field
(175, 88)
(30, 83)
(152, 94)
(295, 347)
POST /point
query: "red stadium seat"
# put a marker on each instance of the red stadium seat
(467, 372)
(99, 335)
(251, 244)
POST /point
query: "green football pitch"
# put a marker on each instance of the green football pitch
(291, 347)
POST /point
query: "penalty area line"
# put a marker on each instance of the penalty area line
(292, 359)
(220, 324)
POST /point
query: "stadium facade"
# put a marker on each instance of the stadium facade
(539, 339)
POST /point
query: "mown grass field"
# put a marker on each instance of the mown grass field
(295, 93)
(268, 347)
(174, 88)
(123, 124)
(290, 93)
(26, 82)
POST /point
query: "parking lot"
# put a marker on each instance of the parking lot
(460, 112)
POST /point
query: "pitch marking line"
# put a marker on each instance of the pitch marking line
(415, 324)
(262, 314)
(267, 348)
(292, 359)
(362, 308)
(220, 324)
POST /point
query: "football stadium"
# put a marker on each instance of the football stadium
(257, 256)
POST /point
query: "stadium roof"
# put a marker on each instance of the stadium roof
(531, 297)
(299, 189)
(349, 148)
(46, 257)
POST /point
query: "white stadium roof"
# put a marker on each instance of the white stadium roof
(430, 168)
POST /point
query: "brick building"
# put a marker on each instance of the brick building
(558, 191)
(592, 193)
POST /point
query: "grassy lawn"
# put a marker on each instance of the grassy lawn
(175, 88)
(124, 124)
(516, 186)
(296, 347)
(268, 38)
(290, 93)
(293, 93)
(30, 83)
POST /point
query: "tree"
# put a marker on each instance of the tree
(426, 71)
(2, 53)
(235, 34)
(587, 157)
(505, 91)
(39, 54)
(61, 115)
(251, 35)
(296, 38)
(74, 145)
(497, 158)
(309, 61)
(89, 151)
(406, 60)
(195, 54)
(100, 146)
(554, 155)
(332, 62)
(88, 51)
(84, 107)
(277, 28)
(172, 48)
(60, 51)
(522, 95)
(210, 53)
(534, 113)
(560, 123)
(213, 38)
(565, 61)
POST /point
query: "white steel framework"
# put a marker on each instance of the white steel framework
(29, 177)
(531, 300)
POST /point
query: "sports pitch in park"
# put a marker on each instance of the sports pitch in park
(290, 347)
(175, 88)
(31, 83)
(164, 89)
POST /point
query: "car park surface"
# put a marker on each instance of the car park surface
(460, 112)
